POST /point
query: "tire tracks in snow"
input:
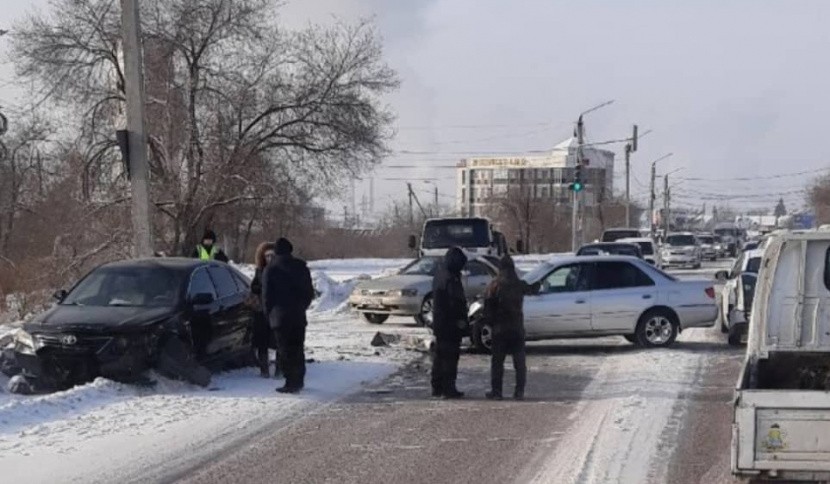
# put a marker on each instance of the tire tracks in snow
(627, 423)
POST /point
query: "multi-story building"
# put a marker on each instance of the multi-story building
(483, 181)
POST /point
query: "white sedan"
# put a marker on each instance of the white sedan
(593, 296)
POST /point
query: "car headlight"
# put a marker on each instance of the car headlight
(404, 293)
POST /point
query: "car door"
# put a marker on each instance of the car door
(563, 303)
(200, 317)
(230, 325)
(477, 277)
(620, 293)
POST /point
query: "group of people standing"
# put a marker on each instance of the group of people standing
(282, 290)
(503, 309)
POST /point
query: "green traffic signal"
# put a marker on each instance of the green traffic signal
(577, 186)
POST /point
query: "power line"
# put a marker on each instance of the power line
(753, 178)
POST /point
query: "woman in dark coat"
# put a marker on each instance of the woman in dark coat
(503, 307)
(263, 337)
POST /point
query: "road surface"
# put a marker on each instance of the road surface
(597, 411)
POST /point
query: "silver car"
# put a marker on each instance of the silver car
(409, 292)
(607, 295)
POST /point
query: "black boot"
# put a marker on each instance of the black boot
(491, 395)
(262, 359)
(453, 394)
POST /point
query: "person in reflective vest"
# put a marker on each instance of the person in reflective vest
(208, 250)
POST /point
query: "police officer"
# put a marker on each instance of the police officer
(208, 250)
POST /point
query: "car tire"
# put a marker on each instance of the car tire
(374, 318)
(736, 333)
(631, 338)
(723, 327)
(424, 318)
(657, 328)
(482, 336)
(177, 360)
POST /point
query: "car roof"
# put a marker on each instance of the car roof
(681, 233)
(172, 263)
(755, 253)
(608, 244)
(631, 240)
(563, 260)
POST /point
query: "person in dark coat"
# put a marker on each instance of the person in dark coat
(207, 249)
(288, 292)
(503, 308)
(262, 337)
(449, 306)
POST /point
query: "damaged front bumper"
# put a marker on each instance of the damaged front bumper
(60, 361)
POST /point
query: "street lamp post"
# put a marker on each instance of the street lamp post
(576, 214)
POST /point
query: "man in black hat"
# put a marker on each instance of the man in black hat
(449, 316)
(287, 294)
(208, 250)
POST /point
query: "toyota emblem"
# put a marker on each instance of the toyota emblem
(69, 339)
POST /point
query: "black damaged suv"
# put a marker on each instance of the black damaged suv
(182, 317)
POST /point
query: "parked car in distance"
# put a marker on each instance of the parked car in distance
(409, 292)
(610, 248)
(746, 263)
(593, 296)
(737, 320)
(721, 247)
(613, 235)
(681, 249)
(651, 253)
(707, 247)
(178, 316)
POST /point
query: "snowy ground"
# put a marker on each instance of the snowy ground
(106, 431)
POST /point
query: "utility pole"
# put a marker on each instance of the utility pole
(436, 200)
(628, 185)
(576, 216)
(411, 213)
(651, 198)
(666, 223)
(137, 136)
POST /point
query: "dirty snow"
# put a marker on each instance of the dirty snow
(625, 415)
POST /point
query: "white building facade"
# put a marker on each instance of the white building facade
(482, 181)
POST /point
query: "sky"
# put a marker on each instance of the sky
(733, 88)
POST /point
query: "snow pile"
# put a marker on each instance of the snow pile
(332, 296)
(344, 269)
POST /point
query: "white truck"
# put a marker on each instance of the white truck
(474, 235)
(781, 425)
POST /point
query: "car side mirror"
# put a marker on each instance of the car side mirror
(202, 299)
(60, 295)
(722, 275)
(413, 242)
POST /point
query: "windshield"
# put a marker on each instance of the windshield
(617, 234)
(443, 234)
(753, 265)
(647, 248)
(424, 266)
(134, 286)
(537, 273)
(680, 240)
(706, 240)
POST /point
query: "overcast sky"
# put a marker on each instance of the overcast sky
(732, 88)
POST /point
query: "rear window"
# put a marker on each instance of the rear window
(680, 240)
(707, 240)
(646, 248)
(615, 235)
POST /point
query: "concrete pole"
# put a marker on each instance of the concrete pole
(576, 216)
(651, 197)
(628, 185)
(666, 224)
(137, 136)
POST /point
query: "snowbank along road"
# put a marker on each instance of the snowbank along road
(598, 411)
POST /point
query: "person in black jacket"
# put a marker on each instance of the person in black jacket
(503, 309)
(262, 336)
(449, 320)
(208, 250)
(288, 293)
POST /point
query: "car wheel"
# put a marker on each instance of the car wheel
(482, 337)
(424, 318)
(374, 318)
(657, 328)
(736, 333)
(631, 338)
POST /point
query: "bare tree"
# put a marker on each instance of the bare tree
(234, 102)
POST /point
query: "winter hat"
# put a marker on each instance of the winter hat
(209, 234)
(283, 246)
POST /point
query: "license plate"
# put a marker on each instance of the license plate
(373, 303)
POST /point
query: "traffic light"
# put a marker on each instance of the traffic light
(577, 184)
